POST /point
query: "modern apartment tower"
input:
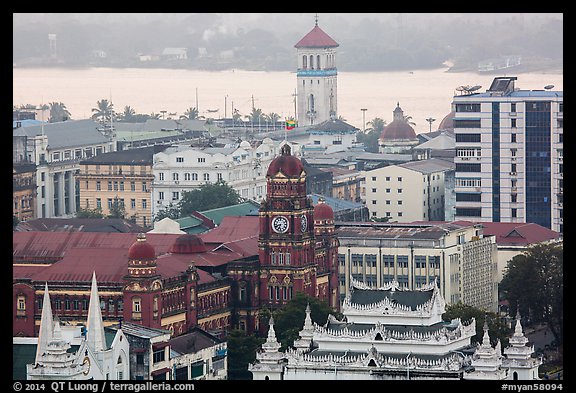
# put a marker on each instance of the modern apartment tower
(509, 154)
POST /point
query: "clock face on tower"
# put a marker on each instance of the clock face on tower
(280, 224)
(304, 223)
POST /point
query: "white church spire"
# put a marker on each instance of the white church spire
(46, 332)
(94, 325)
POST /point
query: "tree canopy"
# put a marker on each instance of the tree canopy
(241, 352)
(497, 328)
(289, 320)
(533, 283)
(207, 196)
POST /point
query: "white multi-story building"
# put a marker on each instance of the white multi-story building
(57, 149)
(456, 255)
(407, 192)
(184, 168)
(509, 154)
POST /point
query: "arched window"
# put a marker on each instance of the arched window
(318, 61)
(311, 62)
(304, 62)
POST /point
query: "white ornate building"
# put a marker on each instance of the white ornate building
(393, 333)
(516, 363)
(184, 168)
(94, 358)
(386, 333)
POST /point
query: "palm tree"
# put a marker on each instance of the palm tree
(408, 119)
(255, 115)
(128, 114)
(104, 111)
(377, 124)
(190, 114)
(58, 112)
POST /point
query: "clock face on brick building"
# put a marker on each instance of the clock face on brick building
(304, 223)
(280, 224)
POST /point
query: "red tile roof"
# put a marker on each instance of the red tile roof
(53, 245)
(110, 265)
(519, 233)
(232, 228)
(316, 38)
(510, 233)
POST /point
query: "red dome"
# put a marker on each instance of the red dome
(286, 163)
(447, 122)
(399, 129)
(188, 244)
(141, 249)
(322, 211)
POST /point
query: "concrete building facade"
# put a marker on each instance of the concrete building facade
(456, 255)
(509, 154)
(411, 191)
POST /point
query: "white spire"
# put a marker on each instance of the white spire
(308, 321)
(94, 326)
(46, 332)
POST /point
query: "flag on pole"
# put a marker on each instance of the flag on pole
(290, 124)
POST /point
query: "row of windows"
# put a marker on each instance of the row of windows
(76, 304)
(275, 292)
(389, 260)
(190, 176)
(78, 153)
(117, 169)
(118, 186)
(120, 203)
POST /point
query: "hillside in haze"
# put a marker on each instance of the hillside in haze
(253, 41)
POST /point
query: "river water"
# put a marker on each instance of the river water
(421, 94)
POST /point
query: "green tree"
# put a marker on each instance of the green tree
(241, 352)
(127, 115)
(190, 114)
(117, 210)
(171, 211)
(533, 282)
(255, 116)
(89, 213)
(377, 124)
(408, 119)
(289, 320)
(208, 196)
(15, 222)
(369, 139)
(104, 111)
(58, 112)
(498, 329)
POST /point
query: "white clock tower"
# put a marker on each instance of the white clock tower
(316, 77)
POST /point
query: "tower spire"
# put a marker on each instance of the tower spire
(94, 325)
(316, 19)
(46, 332)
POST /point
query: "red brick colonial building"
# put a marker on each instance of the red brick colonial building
(217, 281)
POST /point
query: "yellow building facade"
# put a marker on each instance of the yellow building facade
(119, 181)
